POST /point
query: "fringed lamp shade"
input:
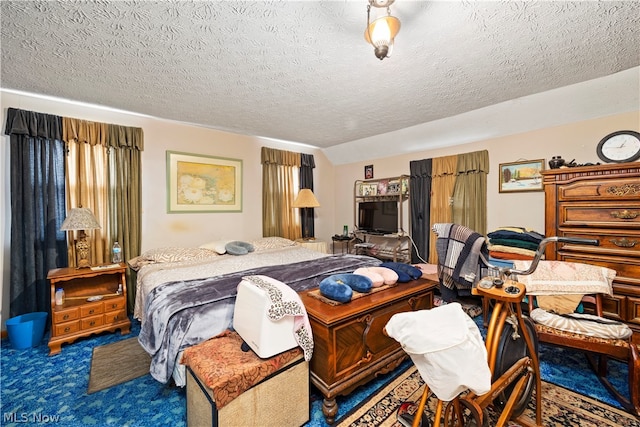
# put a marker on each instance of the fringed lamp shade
(81, 219)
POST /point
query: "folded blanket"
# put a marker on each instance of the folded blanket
(514, 243)
(561, 277)
(512, 250)
(509, 256)
(459, 248)
(519, 233)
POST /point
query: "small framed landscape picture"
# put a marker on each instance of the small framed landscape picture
(521, 176)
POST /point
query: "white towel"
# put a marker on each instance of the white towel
(446, 346)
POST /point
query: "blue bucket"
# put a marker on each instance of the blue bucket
(26, 330)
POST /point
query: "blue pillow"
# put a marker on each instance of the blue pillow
(406, 272)
(238, 248)
(335, 291)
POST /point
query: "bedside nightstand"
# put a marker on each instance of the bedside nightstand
(314, 245)
(78, 317)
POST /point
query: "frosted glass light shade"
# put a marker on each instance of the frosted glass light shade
(382, 31)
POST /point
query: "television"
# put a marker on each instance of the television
(378, 217)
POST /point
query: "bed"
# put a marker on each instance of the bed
(186, 295)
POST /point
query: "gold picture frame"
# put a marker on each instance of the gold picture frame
(200, 183)
(521, 176)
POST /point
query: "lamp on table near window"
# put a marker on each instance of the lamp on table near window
(305, 200)
(81, 219)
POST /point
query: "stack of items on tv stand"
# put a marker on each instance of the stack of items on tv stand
(392, 247)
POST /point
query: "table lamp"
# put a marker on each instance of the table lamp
(305, 200)
(81, 219)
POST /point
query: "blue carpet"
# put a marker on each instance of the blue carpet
(37, 388)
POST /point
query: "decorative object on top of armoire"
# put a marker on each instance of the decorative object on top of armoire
(600, 202)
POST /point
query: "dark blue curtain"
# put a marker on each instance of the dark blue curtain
(307, 163)
(420, 201)
(37, 207)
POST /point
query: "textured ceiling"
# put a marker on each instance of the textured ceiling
(301, 70)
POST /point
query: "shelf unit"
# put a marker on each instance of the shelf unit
(394, 246)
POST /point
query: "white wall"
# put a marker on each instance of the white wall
(573, 141)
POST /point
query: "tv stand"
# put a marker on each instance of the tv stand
(384, 245)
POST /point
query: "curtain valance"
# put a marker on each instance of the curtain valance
(279, 157)
(95, 133)
(34, 125)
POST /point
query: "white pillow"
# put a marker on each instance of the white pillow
(218, 246)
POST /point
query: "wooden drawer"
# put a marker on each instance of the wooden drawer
(633, 312)
(91, 309)
(118, 304)
(624, 215)
(67, 328)
(66, 315)
(621, 243)
(91, 322)
(600, 189)
(115, 316)
(614, 307)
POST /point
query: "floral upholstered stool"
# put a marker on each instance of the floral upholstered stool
(230, 387)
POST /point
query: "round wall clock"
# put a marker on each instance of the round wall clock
(619, 147)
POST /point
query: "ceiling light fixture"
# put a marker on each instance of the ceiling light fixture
(381, 32)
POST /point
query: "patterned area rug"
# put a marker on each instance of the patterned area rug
(117, 363)
(560, 407)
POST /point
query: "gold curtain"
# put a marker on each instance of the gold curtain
(443, 178)
(104, 175)
(470, 192)
(87, 181)
(278, 190)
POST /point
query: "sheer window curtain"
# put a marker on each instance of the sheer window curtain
(87, 182)
(442, 185)
(37, 207)
(278, 191)
(104, 175)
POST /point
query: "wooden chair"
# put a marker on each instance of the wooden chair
(598, 351)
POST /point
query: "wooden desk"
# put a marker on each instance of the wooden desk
(349, 346)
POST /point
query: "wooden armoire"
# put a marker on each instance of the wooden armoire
(600, 202)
